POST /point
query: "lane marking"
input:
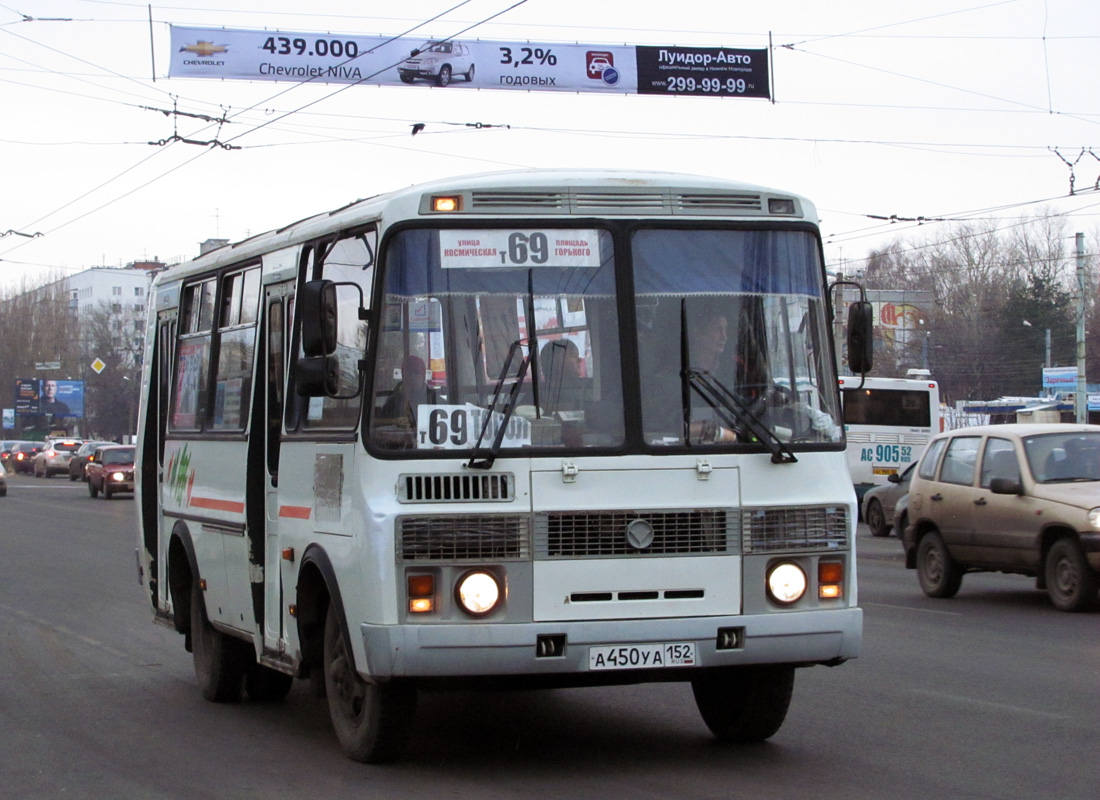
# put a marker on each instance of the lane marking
(988, 704)
(912, 608)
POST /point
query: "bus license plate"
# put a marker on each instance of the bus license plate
(642, 656)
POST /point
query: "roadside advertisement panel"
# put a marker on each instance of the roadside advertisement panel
(255, 55)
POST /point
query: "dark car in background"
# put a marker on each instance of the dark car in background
(6, 447)
(22, 457)
(1022, 499)
(111, 470)
(3, 482)
(80, 459)
(880, 502)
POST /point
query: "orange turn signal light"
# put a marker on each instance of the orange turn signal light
(421, 589)
(445, 203)
(830, 579)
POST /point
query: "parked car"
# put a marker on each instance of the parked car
(80, 459)
(438, 62)
(111, 470)
(879, 502)
(54, 457)
(1021, 499)
(3, 481)
(22, 457)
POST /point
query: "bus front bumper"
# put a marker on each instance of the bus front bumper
(479, 649)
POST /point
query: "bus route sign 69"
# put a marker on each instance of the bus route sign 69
(457, 427)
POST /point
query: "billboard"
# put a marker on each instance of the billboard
(266, 55)
(49, 398)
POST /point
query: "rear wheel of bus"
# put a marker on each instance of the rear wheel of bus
(744, 704)
(372, 721)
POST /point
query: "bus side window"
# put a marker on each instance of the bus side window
(193, 356)
(350, 260)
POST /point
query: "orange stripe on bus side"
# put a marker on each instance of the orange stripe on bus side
(217, 505)
(295, 512)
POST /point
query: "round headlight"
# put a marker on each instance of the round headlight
(118, 476)
(1094, 518)
(786, 583)
(478, 593)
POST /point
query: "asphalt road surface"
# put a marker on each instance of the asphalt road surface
(993, 694)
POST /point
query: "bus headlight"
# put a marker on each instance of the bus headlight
(478, 593)
(786, 583)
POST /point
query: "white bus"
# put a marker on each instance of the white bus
(888, 423)
(514, 429)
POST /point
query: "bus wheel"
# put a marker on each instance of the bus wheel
(744, 704)
(371, 721)
(220, 660)
(267, 685)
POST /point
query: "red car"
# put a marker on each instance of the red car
(111, 471)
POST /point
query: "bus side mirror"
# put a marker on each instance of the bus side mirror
(317, 376)
(317, 305)
(317, 373)
(860, 336)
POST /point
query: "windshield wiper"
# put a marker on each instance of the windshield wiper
(736, 413)
(489, 457)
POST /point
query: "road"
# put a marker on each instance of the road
(991, 695)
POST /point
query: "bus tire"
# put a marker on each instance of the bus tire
(371, 721)
(267, 685)
(938, 573)
(744, 704)
(220, 660)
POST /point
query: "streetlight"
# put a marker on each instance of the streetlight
(1046, 363)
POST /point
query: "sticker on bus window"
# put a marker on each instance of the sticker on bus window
(519, 249)
(457, 427)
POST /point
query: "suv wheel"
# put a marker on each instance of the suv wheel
(1071, 583)
(444, 76)
(937, 571)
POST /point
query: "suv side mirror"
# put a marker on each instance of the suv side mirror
(860, 336)
(1005, 486)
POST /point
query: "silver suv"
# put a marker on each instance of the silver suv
(438, 62)
(1022, 499)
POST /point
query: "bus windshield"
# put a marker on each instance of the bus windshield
(732, 341)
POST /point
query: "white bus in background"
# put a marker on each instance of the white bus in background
(529, 428)
(888, 423)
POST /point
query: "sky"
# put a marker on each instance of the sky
(937, 111)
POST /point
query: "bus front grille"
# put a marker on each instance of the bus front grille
(456, 488)
(466, 537)
(564, 534)
(771, 530)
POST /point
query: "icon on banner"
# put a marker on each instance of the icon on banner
(598, 62)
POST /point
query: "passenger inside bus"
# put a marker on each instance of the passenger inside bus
(411, 392)
(562, 393)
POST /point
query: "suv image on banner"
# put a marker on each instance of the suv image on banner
(1021, 499)
(438, 62)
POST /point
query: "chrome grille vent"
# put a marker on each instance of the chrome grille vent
(457, 488)
(561, 534)
(771, 530)
(589, 201)
(705, 203)
(472, 537)
(504, 201)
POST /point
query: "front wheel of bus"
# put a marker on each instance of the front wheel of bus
(371, 721)
(744, 704)
(220, 660)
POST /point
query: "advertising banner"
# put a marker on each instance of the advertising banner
(39, 398)
(254, 55)
(1062, 379)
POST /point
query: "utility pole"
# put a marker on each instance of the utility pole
(1081, 400)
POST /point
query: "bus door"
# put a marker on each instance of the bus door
(278, 309)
